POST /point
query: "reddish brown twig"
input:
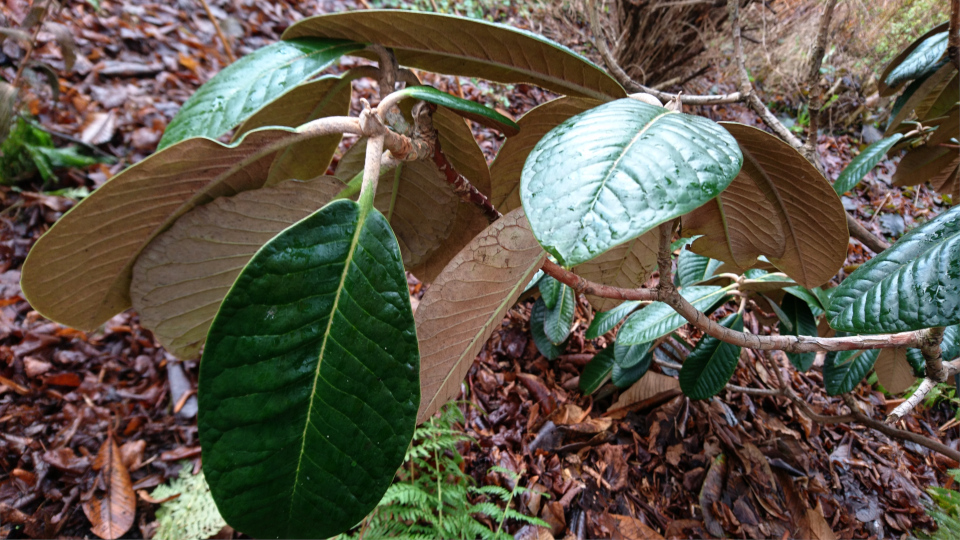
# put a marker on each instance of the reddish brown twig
(216, 26)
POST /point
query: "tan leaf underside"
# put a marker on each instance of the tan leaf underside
(78, 274)
(649, 385)
(506, 169)
(468, 301)
(182, 276)
(811, 243)
(893, 370)
(627, 266)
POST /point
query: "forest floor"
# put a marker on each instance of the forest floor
(608, 473)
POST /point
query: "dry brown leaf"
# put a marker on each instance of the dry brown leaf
(467, 302)
(78, 274)
(507, 167)
(630, 528)
(779, 206)
(627, 265)
(818, 526)
(647, 387)
(99, 128)
(710, 493)
(111, 511)
(893, 370)
(182, 276)
(326, 96)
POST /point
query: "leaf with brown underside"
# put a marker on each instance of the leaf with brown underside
(78, 273)
(934, 164)
(779, 206)
(506, 168)
(923, 99)
(627, 266)
(893, 370)
(326, 96)
(182, 276)
(888, 90)
(468, 301)
(431, 222)
(415, 198)
(466, 47)
(111, 509)
(647, 387)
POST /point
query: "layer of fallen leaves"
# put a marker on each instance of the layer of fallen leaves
(88, 419)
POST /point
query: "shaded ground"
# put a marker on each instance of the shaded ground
(62, 391)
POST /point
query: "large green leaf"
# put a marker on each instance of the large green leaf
(243, 87)
(951, 343)
(708, 368)
(597, 371)
(612, 173)
(887, 90)
(804, 324)
(693, 268)
(79, 272)
(623, 377)
(605, 321)
(467, 47)
(914, 284)
(468, 109)
(922, 61)
(844, 370)
(537, 317)
(864, 163)
(659, 319)
(558, 321)
(309, 383)
(808, 296)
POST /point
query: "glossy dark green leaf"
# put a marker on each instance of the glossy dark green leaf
(550, 291)
(309, 383)
(924, 60)
(803, 324)
(864, 163)
(558, 321)
(693, 268)
(606, 321)
(546, 347)
(659, 319)
(597, 371)
(587, 187)
(624, 377)
(808, 296)
(885, 90)
(708, 368)
(243, 87)
(950, 347)
(468, 109)
(912, 285)
(915, 358)
(466, 47)
(842, 371)
(628, 356)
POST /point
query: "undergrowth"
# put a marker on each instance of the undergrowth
(945, 510)
(28, 151)
(432, 496)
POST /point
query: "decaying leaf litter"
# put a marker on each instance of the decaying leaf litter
(82, 410)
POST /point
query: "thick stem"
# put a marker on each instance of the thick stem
(867, 238)
(583, 286)
(389, 70)
(815, 96)
(371, 172)
(933, 355)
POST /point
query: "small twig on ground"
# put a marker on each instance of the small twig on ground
(30, 46)
(220, 34)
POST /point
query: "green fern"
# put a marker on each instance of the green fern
(190, 516)
(431, 497)
(945, 510)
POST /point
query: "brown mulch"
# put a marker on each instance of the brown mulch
(736, 465)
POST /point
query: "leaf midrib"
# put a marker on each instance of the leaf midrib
(361, 219)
